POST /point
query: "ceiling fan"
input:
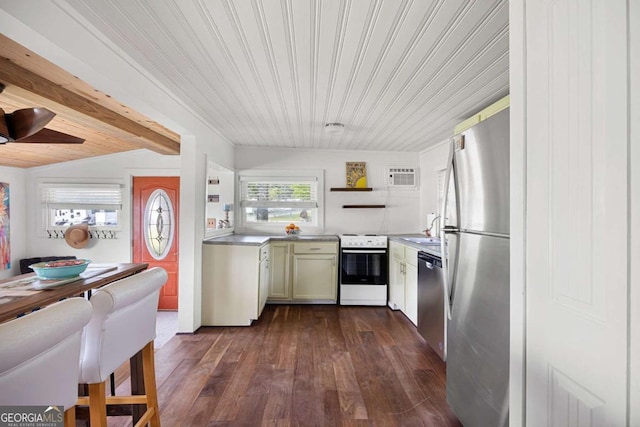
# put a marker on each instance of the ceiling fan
(28, 126)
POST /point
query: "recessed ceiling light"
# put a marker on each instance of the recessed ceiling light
(334, 128)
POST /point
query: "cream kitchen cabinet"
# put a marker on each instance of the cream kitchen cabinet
(411, 285)
(264, 278)
(304, 272)
(396, 276)
(403, 280)
(280, 283)
(235, 283)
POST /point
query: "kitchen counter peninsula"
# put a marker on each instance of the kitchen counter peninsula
(241, 272)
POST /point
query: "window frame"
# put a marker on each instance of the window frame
(47, 205)
(303, 176)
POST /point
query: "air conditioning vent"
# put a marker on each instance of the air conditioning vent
(402, 177)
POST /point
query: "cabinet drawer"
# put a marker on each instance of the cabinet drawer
(411, 255)
(315, 248)
(397, 250)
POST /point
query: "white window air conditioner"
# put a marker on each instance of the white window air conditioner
(402, 177)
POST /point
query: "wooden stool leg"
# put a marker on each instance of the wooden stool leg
(149, 372)
(97, 405)
(70, 417)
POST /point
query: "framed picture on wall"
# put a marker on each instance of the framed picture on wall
(356, 175)
(5, 246)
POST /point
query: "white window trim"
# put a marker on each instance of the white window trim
(45, 206)
(292, 175)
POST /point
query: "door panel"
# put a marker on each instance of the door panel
(576, 225)
(159, 227)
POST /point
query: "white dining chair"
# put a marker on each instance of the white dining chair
(123, 323)
(39, 356)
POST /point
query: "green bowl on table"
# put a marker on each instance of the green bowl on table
(62, 269)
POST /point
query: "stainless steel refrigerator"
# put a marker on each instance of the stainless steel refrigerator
(477, 272)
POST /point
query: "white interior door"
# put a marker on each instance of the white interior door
(576, 212)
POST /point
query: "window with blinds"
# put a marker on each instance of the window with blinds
(272, 201)
(97, 205)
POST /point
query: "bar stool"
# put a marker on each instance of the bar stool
(123, 323)
(39, 356)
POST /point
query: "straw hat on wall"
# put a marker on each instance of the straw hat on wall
(77, 236)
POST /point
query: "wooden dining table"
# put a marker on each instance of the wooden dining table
(19, 302)
(20, 295)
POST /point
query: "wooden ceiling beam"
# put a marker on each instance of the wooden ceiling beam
(68, 103)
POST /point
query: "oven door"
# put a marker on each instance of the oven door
(363, 267)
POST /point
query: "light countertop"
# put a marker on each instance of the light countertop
(403, 238)
(259, 240)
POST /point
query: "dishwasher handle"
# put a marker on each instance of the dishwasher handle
(431, 261)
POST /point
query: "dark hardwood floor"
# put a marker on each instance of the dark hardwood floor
(302, 365)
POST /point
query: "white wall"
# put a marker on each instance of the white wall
(122, 168)
(517, 212)
(16, 178)
(115, 168)
(71, 45)
(432, 161)
(634, 212)
(402, 214)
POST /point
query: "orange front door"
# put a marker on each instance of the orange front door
(155, 230)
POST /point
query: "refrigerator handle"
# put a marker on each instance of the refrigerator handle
(443, 230)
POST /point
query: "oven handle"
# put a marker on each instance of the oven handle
(364, 251)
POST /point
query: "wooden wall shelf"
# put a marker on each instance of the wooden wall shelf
(352, 189)
(363, 206)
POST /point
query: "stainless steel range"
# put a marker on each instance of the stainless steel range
(363, 269)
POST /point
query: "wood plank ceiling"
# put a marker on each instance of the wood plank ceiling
(107, 126)
(399, 74)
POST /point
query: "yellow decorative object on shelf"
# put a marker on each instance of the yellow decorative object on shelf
(361, 182)
(356, 175)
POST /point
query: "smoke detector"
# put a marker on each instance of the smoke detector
(334, 128)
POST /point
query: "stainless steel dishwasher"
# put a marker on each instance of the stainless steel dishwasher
(431, 320)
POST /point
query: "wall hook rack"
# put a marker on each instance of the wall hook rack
(93, 234)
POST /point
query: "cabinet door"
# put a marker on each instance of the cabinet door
(411, 292)
(230, 289)
(263, 284)
(396, 283)
(315, 277)
(279, 270)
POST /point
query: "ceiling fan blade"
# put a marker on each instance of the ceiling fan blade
(28, 121)
(49, 136)
(4, 130)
